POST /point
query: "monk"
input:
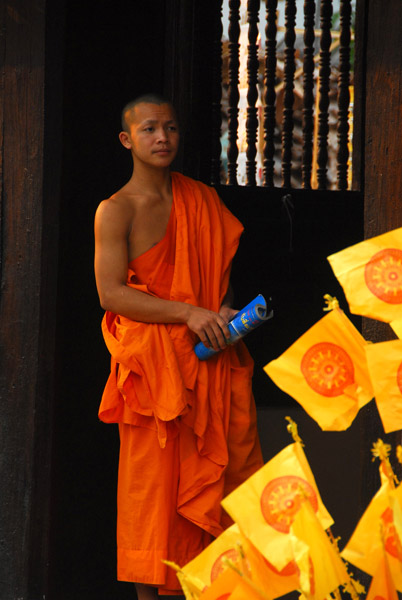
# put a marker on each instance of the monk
(164, 245)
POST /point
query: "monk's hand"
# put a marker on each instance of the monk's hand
(210, 327)
(227, 313)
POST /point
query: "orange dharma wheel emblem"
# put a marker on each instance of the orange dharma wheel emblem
(383, 275)
(218, 565)
(281, 500)
(392, 542)
(327, 368)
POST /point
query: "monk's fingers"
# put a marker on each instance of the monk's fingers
(227, 313)
(210, 340)
(210, 327)
(223, 325)
(217, 335)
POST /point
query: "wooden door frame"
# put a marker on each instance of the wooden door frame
(30, 157)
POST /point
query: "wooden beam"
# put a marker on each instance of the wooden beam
(27, 301)
(379, 88)
(383, 125)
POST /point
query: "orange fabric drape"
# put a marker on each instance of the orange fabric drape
(195, 419)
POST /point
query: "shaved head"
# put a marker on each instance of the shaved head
(144, 99)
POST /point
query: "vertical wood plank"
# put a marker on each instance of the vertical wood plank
(20, 285)
(25, 414)
(359, 93)
(343, 95)
(323, 92)
(233, 96)
(289, 70)
(216, 98)
(2, 94)
(381, 91)
(270, 94)
(30, 151)
(383, 155)
(308, 92)
(252, 91)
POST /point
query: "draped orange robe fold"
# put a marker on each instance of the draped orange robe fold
(187, 428)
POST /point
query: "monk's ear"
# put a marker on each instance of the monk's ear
(125, 139)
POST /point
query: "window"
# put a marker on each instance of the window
(287, 93)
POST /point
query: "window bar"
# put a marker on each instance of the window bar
(323, 91)
(343, 95)
(308, 92)
(216, 117)
(252, 91)
(270, 94)
(288, 79)
(233, 92)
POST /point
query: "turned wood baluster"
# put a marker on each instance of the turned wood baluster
(323, 90)
(343, 95)
(308, 92)
(252, 91)
(270, 94)
(233, 92)
(289, 69)
(216, 118)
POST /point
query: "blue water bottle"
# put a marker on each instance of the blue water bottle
(252, 315)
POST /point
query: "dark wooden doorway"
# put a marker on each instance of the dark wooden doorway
(288, 233)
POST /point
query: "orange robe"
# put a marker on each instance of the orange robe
(187, 428)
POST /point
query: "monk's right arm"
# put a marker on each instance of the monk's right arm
(111, 260)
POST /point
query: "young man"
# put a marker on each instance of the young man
(163, 250)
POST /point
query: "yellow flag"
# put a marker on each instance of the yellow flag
(231, 584)
(384, 361)
(191, 586)
(245, 591)
(266, 504)
(234, 546)
(325, 370)
(377, 529)
(395, 503)
(396, 325)
(321, 568)
(267, 577)
(210, 562)
(371, 276)
(382, 586)
(222, 587)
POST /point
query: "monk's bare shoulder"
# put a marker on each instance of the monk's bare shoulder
(117, 212)
(140, 219)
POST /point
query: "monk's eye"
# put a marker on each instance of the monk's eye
(148, 129)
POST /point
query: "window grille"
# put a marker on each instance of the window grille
(283, 111)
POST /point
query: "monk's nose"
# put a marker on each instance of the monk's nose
(162, 137)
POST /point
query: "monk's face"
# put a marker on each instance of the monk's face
(153, 134)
